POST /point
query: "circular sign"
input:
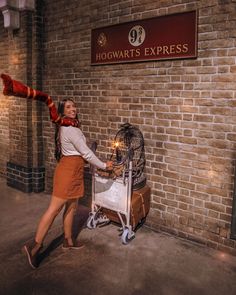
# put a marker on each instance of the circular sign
(137, 35)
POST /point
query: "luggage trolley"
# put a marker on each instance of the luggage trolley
(114, 193)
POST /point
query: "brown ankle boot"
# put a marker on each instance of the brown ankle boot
(32, 251)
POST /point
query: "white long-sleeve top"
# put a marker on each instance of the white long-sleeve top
(73, 143)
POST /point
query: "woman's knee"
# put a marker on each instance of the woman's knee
(56, 206)
(71, 206)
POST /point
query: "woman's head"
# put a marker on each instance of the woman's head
(67, 108)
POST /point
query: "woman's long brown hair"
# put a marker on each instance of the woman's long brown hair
(60, 110)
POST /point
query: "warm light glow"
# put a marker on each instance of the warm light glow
(222, 256)
(211, 173)
(14, 59)
(116, 144)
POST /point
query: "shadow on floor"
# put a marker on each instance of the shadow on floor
(79, 223)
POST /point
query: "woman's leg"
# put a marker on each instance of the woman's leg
(45, 222)
(68, 217)
(48, 217)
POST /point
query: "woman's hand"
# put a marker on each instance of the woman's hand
(109, 165)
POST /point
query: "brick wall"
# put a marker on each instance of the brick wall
(185, 108)
(21, 120)
(4, 105)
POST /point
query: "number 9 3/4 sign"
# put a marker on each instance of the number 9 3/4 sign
(136, 35)
(164, 37)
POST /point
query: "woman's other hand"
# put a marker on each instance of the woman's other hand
(109, 165)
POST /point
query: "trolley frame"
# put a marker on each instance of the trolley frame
(104, 200)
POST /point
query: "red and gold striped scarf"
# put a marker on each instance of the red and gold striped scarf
(16, 88)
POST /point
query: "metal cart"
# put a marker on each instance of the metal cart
(113, 194)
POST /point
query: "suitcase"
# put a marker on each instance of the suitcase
(140, 205)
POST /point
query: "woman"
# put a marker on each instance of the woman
(68, 183)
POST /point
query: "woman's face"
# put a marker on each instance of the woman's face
(70, 109)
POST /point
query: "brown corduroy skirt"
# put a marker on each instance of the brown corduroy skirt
(68, 181)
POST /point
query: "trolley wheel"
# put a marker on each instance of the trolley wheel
(127, 236)
(91, 222)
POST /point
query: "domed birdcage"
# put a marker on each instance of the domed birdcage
(129, 146)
